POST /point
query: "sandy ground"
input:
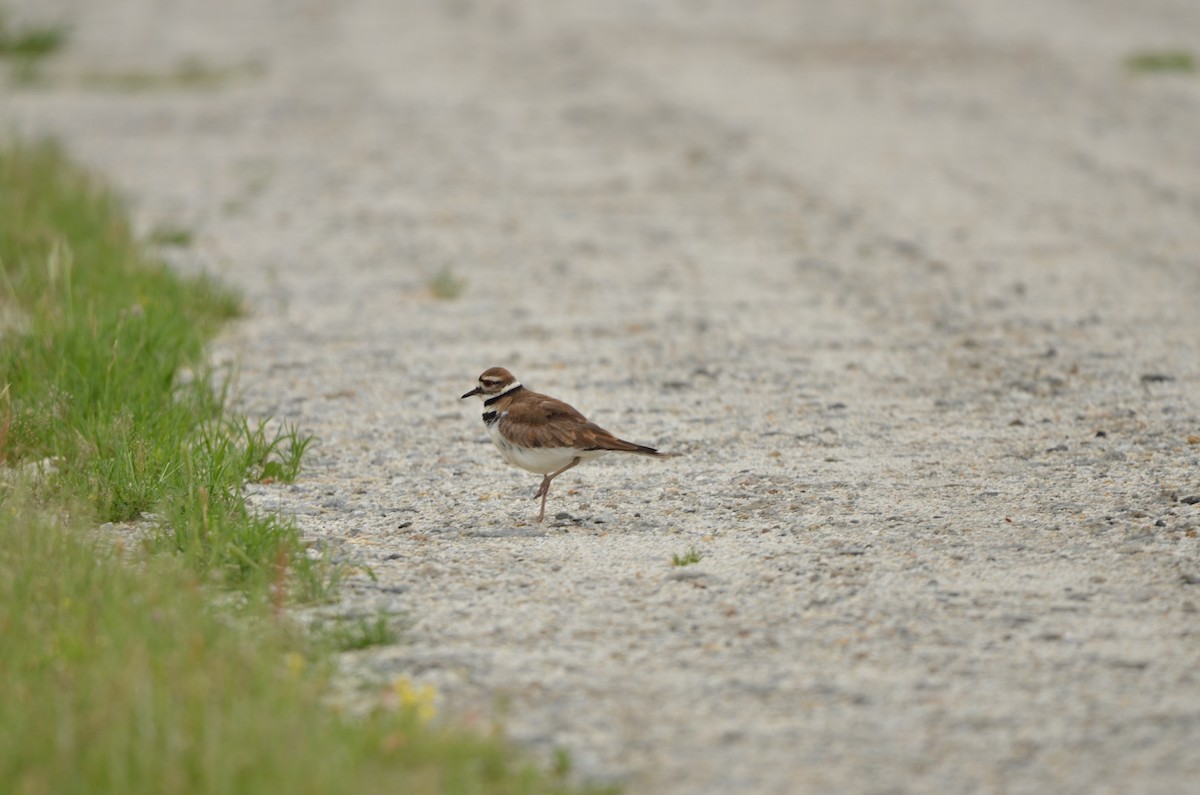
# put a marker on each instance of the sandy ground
(912, 285)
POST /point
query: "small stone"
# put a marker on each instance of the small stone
(1134, 665)
(1191, 500)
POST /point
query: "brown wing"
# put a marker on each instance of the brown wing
(540, 421)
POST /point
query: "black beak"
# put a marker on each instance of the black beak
(474, 391)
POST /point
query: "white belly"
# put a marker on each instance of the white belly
(542, 460)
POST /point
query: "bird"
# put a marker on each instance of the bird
(542, 434)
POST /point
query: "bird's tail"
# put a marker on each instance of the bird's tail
(622, 446)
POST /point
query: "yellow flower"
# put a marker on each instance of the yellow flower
(420, 701)
(294, 663)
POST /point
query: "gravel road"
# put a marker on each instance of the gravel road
(913, 286)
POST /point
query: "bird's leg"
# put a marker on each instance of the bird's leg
(544, 489)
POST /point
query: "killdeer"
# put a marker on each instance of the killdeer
(540, 433)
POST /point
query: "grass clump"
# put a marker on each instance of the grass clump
(28, 47)
(445, 286)
(170, 236)
(354, 634)
(1161, 61)
(688, 558)
(123, 679)
(104, 378)
(189, 74)
(35, 41)
(31, 43)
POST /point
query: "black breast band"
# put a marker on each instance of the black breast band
(492, 400)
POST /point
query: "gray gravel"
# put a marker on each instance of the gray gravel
(913, 286)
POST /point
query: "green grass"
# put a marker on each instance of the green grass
(355, 634)
(446, 286)
(1160, 61)
(190, 74)
(103, 376)
(26, 48)
(124, 679)
(32, 42)
(687, 558)
(173, 236)
(124, 666)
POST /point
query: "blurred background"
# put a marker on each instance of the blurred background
(888, 271)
